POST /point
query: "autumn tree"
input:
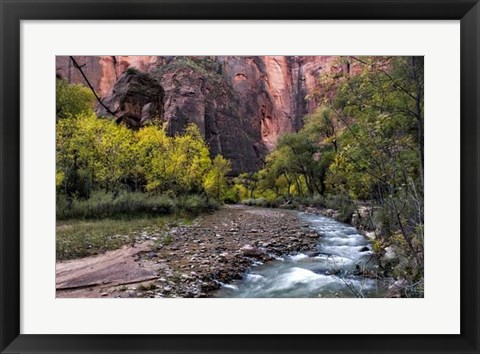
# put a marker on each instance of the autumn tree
(72, 100)
(365, 142)
(249, 181)
(381, 154)
(215, 181)
(100, 154)
(189, 161)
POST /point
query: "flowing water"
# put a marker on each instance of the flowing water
(334, 269)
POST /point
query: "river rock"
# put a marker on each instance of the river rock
(250, 251)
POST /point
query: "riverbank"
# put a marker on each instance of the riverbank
(361, 217)
(190, 260)
(393, 257)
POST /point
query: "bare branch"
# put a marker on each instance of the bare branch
(118, 119)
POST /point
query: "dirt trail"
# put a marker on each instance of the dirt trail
(93, 276)
(192, 260)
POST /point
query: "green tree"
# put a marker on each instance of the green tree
(76, 154)
(249, 181)
(189, 160)
(365, 141)
(152, 155)
(381, 154)
(215, 181)
(72, 100)
(299, 154)
(114, 151)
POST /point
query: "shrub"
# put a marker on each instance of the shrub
(232, 195)
(343, 204)
(195, 204)
(258, 202)
(82, 238)
(317, 201)
(299, 200)
(102, 205)
(276, 202)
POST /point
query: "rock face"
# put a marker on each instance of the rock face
(242, 105)
(136, 99)
(198, 93)
(102, 71)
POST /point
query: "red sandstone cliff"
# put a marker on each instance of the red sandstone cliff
(241, 104)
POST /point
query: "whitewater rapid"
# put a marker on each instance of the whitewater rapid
(336, 268)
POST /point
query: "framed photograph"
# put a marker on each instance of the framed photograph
(236, 176)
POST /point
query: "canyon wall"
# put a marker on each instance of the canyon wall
(241, 104)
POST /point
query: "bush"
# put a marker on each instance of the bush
(277, 202)
(195, 204)
(317, 201)
(299, 201)
(104, 205)
(259, 202)
(273, 201)
(384, 219)
(82, 238)
(232, 195)
(343, 204)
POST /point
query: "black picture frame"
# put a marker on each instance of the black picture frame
(13, 11)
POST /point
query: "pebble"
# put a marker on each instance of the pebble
(200, 257)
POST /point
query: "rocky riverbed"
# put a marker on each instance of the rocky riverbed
(190, 261)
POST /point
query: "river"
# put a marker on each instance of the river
(334, 269)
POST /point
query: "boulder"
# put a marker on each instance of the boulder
(137, 99)
(251, 251)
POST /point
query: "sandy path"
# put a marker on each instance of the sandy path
(92, 276)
